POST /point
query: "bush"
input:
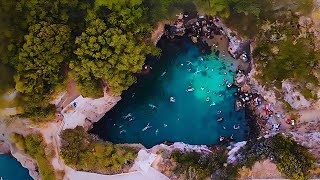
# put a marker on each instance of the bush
(292, 159)
(203, 165)
(83, 152)
(34, 145)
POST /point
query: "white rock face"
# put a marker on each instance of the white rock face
(294, 98)
(233, 151)
(76, 113)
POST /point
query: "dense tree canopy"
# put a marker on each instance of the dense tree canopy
(112, 49)
(46, 47)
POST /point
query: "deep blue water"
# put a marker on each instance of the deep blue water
(11, 169)
(192, 118)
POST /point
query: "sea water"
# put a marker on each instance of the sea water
(178, 101)
(11, 169)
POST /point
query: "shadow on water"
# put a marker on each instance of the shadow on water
(192, 118)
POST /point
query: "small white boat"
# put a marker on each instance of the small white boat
(190, 89)
(163, 73)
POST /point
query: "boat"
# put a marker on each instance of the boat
(220, 119)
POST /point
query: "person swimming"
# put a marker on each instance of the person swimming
(224, 127)
(213, 104)
(220, 119)
(197, 71)
(131, 119)
(147, 127)
(165, 125)
(219, 112)
(202, 88)
(163, 73)
(236, 127)
(122, 131)
(201, 58)
(190, 89)
(172, 99)
(208, 99)
(189, 62)
(127, 116)
(120, 126)
(157, 132)
(152, 106)
(221, 138)
(208, 91)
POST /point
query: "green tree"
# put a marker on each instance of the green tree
(112, 51)
(214, 7)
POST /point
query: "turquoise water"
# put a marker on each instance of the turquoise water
(192, 118)
(11, 169)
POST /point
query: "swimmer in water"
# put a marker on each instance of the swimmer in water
(122, 131)
(224, 127)
(181, 64)
(208, 91)
(189, 62)
(207, 67)
(220, 95)
(202, 88)
(208, 99)
(164, 125)
(236, 127)
(219, 112)
(157, 132)
(213, 104)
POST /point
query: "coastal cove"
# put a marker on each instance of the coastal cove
(11, 169)
(179, 100)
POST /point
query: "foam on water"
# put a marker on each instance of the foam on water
(192, 118)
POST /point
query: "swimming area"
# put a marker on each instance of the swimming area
(180, 100)
(11, 169)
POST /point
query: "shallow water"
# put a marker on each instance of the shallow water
(11, 169)
(192, 118)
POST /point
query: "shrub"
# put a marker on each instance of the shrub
(83, 152)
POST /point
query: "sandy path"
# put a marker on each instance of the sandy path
(261, 170)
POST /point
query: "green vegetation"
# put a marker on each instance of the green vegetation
(284, 52)
(82, 152)
(194, 165)
(34, 145)
(292, 159)
(103, 43)
(112, 51)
